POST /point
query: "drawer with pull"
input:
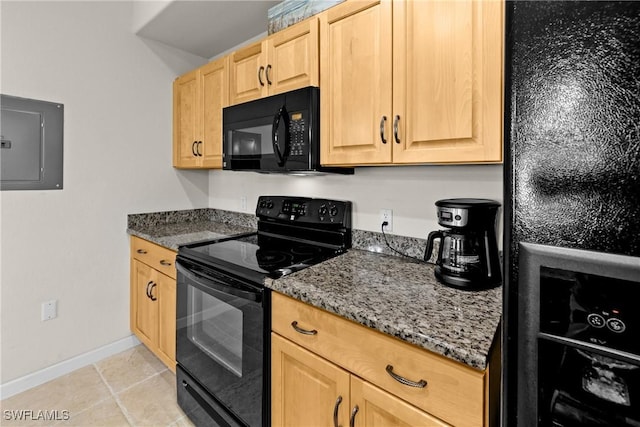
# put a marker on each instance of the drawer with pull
(447, 389)
(155, 256)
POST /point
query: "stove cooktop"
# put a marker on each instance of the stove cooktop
(259, 254)
(293, 233)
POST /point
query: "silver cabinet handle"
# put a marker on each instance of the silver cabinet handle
(266, 74)
(141, 251)
(383, 120)
(352, 420)
(198, 150)
(402, 380)
(395, 129)
(298, 329)
(193, 148)
(260, 70)
(335, 411)
(149, 284)
(165, 263)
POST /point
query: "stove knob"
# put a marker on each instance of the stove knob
(269, 204)
(333, 211)
(323, 210)
(262, 204)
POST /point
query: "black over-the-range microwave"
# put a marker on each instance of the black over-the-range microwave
(279, 133)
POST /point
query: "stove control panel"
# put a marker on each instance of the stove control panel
(305, 210)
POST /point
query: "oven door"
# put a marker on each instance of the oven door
(221, 327)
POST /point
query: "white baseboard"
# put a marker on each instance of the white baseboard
(59, 369)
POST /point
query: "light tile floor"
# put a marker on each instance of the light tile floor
(132, 388)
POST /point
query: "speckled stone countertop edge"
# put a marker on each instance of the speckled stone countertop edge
(401, 298)
(442, 348)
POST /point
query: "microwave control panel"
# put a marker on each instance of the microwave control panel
(297, 129)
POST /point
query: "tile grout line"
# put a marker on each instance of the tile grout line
(144, 380)
(123, 409)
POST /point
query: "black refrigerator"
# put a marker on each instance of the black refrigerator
(571, 338)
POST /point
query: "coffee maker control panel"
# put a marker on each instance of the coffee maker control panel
(453, 217)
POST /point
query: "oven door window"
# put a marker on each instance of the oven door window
(215, 327)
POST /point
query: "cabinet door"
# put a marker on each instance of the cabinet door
(144, 311)
(214, 96)
(355, 105)
(186, 120)
(166, 304)
(247, 78)
(293, 57)
(305, 388)
(447, 81)
(377, 408)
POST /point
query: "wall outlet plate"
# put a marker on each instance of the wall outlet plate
(387, 215)
(49, 310)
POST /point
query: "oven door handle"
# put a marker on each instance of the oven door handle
(210, 283)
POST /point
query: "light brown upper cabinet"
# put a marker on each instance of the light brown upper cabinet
(410, 82)
(284, 61)
(198, 99)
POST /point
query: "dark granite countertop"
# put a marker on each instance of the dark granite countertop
(401, 298)
(391, 294)
(174, 228)
(173, 235)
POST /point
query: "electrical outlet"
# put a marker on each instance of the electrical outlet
(49, 310)
(387, 215)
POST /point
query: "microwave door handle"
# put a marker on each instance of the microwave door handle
(281, 155)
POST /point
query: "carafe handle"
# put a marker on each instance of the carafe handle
(432, 236)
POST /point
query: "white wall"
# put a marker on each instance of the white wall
(71, 245)
(410, 191)
(144, 11)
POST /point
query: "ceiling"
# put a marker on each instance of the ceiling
(208, 28)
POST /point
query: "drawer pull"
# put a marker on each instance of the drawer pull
(141, 251)
(352, 420)
(165, 263)
(298, 329)
(335, 411)
(402, 380)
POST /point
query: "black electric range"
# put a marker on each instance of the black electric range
(223, 308)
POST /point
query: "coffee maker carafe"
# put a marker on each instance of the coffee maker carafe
(468, 255)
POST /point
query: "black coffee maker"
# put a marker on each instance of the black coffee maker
(468, 255)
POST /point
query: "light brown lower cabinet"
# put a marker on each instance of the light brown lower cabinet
(311, 391)
(153, 299)
(330, 371)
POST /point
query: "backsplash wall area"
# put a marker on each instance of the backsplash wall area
(410, 191)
